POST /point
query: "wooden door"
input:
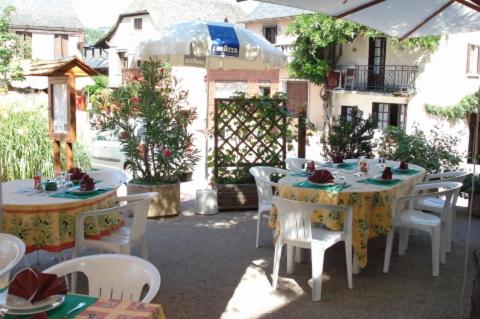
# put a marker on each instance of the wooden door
(376, 63)
(297, 93)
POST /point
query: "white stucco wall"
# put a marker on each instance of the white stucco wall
(73, 46)
(441, 80)
(43, 46)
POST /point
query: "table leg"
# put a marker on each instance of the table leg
(356, 267)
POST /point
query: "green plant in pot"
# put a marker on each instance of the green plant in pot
(163, 152)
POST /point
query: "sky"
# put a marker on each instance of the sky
(104, 13)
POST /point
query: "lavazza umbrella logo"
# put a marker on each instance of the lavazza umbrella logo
(224, 41)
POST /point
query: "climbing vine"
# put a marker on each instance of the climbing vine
(467, 105)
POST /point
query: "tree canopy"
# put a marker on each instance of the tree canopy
(9, 46)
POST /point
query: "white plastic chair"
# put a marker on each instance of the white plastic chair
(262, 175)
(121, 240)
(297, 164)
(12, 249)
(435, 204)
(112, 276)
(295, 220)
(411, 218)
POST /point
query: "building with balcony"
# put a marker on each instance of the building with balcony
(380, 78)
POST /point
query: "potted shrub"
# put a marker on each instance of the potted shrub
(163, 153)
(466, 191)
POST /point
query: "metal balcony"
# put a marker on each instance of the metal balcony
(395, 79)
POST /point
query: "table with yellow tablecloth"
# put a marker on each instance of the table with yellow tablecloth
(48, 223)
(372, 204)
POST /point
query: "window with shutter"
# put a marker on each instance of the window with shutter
(137, 23)
(473, 59)
(389, 114)
(270, 33)
(346, 112)
(61, 45)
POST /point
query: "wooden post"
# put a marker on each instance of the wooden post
(57, 163)
(302, 134)
(72, 128)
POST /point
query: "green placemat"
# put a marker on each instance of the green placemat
(348, 166)
(304, 174)
(328, 188)
(373, 181)
(63, 311)
(405, 172)
(71, 195)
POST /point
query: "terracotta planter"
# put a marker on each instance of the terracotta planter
(237, 197)
(476, 205)
(167, 203)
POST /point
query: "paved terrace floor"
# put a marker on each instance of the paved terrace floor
(210, 268)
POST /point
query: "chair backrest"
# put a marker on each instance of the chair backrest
(138, 205)
(113, 276)
(262, 175)
(453, 176)
(12, 250)
(449, 190)
(295, 219)
(297, 164)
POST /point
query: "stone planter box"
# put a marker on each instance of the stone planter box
(166, 203)
(237, 197)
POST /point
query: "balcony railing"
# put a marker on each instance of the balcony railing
(390, 78)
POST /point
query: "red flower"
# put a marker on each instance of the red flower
(135, 78)
(167, 153)
(123, 135)
(136, 100)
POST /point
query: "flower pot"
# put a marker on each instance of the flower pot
(166, 203)
(206, 202)
(237, 197)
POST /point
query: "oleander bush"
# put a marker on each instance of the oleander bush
(26, 148)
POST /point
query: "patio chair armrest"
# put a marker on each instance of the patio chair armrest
(136, 197)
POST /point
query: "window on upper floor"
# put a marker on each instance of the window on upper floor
(61, 45)
(137, 23)
(473, 60)
(389, 114)
(25, 44)
(346, 112)
(270, 33)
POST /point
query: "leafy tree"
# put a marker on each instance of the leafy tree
(350, 138)
(92, 35)
(467, 105)
(9, 46)
(436, 152)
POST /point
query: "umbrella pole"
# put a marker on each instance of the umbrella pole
(206, 122)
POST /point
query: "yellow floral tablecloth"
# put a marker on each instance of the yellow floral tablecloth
(372, 205)
(48, 223)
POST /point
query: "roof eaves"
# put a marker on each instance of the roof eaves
(102, 43)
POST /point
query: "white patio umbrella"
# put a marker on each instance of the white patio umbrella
(212, 45)
(400, 18)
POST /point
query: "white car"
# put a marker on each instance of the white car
(106, 147)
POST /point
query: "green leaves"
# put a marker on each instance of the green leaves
(467, 105)
(153, 105)
(436, 152)
(350, 139)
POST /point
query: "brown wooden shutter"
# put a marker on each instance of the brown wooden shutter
(344, 112)
(58, 46)
(375, 109)
(64, 45)
(469, 48)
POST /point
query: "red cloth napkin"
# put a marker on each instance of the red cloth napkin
(338, 159)
(321, 177)
(403, 165)
(387, 173)
(34, 286)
